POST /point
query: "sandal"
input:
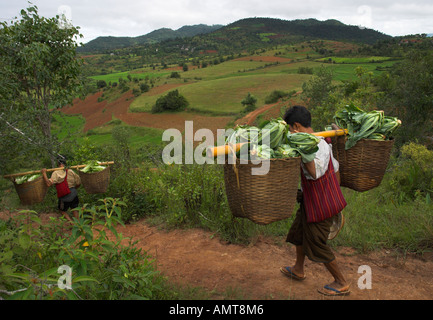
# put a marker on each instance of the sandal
(333, 292)
(287, 271)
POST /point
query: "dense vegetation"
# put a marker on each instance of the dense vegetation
(106, 44)
(393, 74)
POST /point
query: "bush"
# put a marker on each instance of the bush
(173, 101)
(144, 87)
(305, 70)
(101, 84)
(412, 173)
(277, 95)
(136, 92)
(175, 75)
(249, 102)
(101, 269)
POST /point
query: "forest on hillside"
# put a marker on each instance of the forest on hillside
(246, 34)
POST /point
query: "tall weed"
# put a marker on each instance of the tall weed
(411, 174)
(102, 268)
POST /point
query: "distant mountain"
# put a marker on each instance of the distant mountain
(103, 44)
(245, 34)
(279, 30)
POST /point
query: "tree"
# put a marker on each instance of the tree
(316, 91)
(319, 95)
(100, 84)
(175, 75)
(249, 102)
(144, 87)
(409, 95)
(38, 59)
(173, 101)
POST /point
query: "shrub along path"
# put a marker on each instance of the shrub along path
(197, 258)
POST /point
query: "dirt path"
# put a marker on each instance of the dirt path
(197, 258)
(200, 259)
(97, 114)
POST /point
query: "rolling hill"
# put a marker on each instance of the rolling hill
(246, 34)
(102, 44)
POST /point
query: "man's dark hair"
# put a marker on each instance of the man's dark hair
(61, 159)
(298, 114)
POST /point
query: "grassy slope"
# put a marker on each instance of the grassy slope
(219, 89)
(72, 126)
(222, 88)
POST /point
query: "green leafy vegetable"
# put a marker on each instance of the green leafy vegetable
(27, 178)
(365, 125)
(275, 129)
(92, 167)
(305, 144)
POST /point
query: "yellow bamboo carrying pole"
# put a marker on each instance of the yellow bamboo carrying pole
(217, 151)
(331, 133)
(11, 176)
(223, 150)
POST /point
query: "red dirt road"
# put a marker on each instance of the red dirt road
(197, 258)
(97, 114)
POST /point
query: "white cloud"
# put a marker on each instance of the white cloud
(134, 18)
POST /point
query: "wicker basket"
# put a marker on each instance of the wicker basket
(263, 199)
(96, 182)
(363, 166)
(32, 192)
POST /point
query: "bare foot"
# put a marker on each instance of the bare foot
(66, 216)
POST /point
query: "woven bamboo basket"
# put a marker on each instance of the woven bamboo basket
(263, 199)
(31, 192)
(96, 182)
(363, 166)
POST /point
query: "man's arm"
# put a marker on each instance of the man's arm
(44, 175)
(77, 179)
(311, 168)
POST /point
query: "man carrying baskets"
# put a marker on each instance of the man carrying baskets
(321, 202)
(67, 182)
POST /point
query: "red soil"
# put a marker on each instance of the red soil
(198, 258)
(97, 114)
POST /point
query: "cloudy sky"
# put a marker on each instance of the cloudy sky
(134, 18)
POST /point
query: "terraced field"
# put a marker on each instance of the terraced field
(214, 93)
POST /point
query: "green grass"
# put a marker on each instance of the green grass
(64, 126)
(223, 70)
(373, 222)
(137, 136)
(347, 71)
(355, 60)
(114, 77)
(220, 89)
(264, 36)
(224, 96)
(71, 126)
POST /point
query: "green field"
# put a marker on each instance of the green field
(224, 96)
(354, 60)
(71, 127)
(223, 70)
(64, 126)
(218, 89)
(114, 77)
